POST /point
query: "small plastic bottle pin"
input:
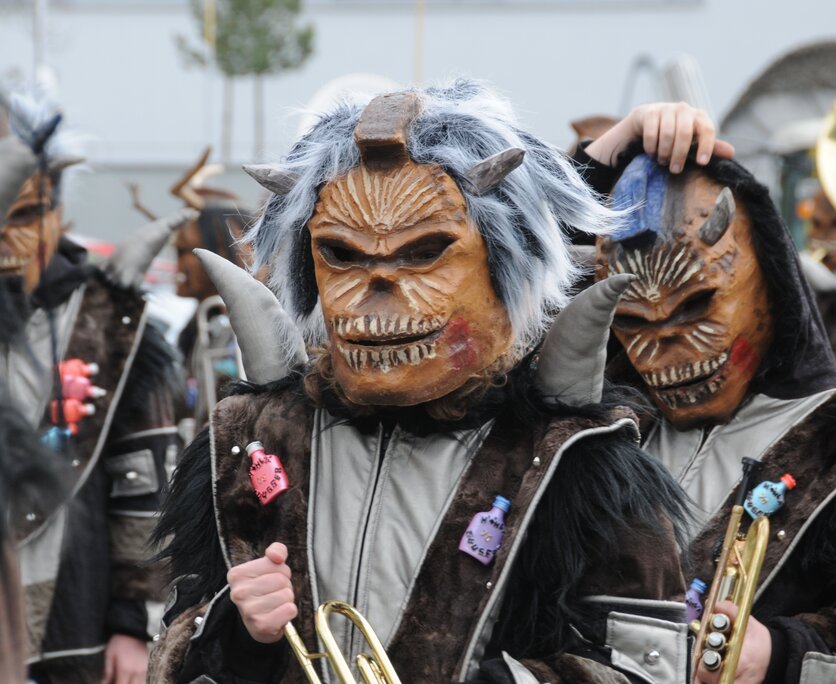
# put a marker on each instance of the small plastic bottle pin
(74, 412)
(80, 387)
(77, 367)
(768, 497)
(56, 438)
(483, 535)
(267, 474)
(693, 600)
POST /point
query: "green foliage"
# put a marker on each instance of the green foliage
(253, 37)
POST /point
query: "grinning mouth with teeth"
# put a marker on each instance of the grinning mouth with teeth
(381, 342)
(690, 383)
(13, 263)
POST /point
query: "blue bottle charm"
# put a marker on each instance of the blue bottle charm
(768, 497)
(483, 535)
(693, 600)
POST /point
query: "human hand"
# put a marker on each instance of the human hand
(126, 660)
(754, 656)
(263, 594)
(667, 130)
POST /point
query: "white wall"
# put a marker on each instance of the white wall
(122, 80)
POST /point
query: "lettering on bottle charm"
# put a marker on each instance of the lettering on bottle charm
(483, 535)
(267, 474)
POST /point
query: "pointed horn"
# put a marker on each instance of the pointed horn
(489, 173)
(131, 260)
(573, 355)
(272, 177)
(58, 165)
(271, 344)
(721, 218)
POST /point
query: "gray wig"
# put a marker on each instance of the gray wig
(524, 221)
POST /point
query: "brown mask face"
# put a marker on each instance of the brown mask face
(405, 287)
(191, 279)
(697, 322)
(19, 236)
(822, 237)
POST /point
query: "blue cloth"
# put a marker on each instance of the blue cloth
(641, 188)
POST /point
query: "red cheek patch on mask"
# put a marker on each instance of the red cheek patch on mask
(743, 357)
(460, 343)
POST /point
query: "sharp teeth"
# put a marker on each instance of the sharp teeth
(391, 322)
(402, 357)
(409, 325)
(430, 351)
(373, 325)
(414, 355)
(723, 358)
(360, 324)
(665, 380)
(695, 369)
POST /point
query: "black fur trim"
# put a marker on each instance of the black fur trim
(606, 493)
(187, 524)
(156, 372)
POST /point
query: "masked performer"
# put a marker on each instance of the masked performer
(722, 332)
(419, 243)
(87, 372)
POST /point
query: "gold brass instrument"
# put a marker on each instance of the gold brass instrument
(718, 644)
(826, 156)
(375, 667)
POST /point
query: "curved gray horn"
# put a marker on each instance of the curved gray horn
(272, 177)
(483, 177)
(271, 344)
(574, 353)
(56, 165)
(132, 258)
(720, 219)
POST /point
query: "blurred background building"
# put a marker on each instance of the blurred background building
(116, 68)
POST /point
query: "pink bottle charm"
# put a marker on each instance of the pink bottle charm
(266, 473)
(483, 535)
(80, 387)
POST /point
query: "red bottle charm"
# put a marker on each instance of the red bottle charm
(266, 473)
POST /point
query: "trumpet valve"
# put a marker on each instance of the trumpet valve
(712, 660)
(720, 623)
(715, 641)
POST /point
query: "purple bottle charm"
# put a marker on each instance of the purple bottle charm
(483, 535)
(693, 600)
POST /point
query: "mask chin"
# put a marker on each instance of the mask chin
(15, 308)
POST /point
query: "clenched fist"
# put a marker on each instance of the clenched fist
(262, 592)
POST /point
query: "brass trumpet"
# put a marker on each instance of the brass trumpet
(375, 668)
(718, 643)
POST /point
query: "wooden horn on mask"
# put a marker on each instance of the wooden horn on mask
(272, 177)
(574, 353)
(485, 176)
(271, 344)
(720, 219)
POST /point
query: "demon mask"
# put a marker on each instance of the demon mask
(696, 323)
(822, 236)
(403, 276)
(33, 217)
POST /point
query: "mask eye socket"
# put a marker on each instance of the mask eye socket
(424, 252)
(694, 308)
(340, 256)
(26, 214)
(628, 323)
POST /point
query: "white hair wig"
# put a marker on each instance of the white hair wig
(524, 221)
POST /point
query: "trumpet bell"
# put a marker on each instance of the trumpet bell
(826, 156)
